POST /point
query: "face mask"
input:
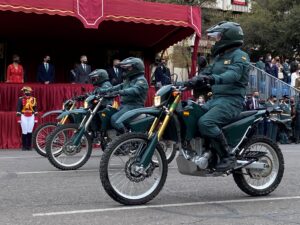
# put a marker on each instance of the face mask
(256, 96)
(16, 60)
(27, 94)
(84, 62)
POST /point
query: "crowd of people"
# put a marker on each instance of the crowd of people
(286, 110)
(283, 69)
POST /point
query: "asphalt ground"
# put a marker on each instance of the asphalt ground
(33, 192)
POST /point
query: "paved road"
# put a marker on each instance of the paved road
(33, 192)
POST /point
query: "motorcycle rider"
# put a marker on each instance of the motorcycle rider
(100, 79)
(228, 77)
(133, 90)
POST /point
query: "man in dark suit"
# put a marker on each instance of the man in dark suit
(162, 74)
(115, 73)
(81, 71)
(46, 72)
(253, 102)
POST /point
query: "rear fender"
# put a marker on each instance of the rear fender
(74, 111)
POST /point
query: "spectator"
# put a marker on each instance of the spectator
(202, 63)
(286, 71)
(162, 74)
(271, 102)
(26, 110)
(274, 68)
(46, 72)
(294, 76)
(81, 71)
(297, 122)
(294, 65)
(15, 72)
(253, 102)
(268, 64)
(285, 105)
(280, 68)
(115, 73)
(260, 64)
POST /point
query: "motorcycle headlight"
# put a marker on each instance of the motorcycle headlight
(157, 101)
(85, 104)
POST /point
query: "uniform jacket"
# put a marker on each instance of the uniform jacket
(133, 91)
(27, 105)
(104, 85)
(230, 71)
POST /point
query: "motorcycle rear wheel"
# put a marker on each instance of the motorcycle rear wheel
(40, 135)
(118, 175)
(260, 183)
(61, 154)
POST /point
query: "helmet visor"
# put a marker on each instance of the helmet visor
(214, 36)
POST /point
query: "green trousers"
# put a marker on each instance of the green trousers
(219, 112)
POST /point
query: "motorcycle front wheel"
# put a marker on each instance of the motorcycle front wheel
(257, 182)
(121, 176)
(40, 135)
(62, 153)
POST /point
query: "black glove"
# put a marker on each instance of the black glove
(207, 79)
(113, 93)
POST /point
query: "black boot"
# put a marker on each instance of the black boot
(28, 142)
(227, 160)
(23, 142)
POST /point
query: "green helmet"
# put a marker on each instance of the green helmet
(227, 35)
(132, 66)
(98, 76)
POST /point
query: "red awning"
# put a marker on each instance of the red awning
(93, 12)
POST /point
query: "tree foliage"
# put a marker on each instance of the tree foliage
(273, 26)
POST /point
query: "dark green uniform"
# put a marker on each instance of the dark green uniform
(133, 94)
(105, 85)
(260, 65)
(230, 72)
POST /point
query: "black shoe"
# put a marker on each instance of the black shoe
(24, 142)
(226, 164)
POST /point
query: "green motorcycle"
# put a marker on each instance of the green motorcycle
(140, 173)
(44, 130)
(70, 145)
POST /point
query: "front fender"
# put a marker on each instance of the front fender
(52, 112)
(74, 111)
(136, 112)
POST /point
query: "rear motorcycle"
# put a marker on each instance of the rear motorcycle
(140, 173)
(44, 130)
(70, 146)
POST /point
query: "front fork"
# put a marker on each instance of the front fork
(84, 125)
(63, 120)
(146, 155)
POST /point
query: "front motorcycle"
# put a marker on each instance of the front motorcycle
(140, 173)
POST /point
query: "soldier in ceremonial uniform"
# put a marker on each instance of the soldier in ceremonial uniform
(26, 110)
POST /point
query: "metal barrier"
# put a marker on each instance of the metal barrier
(268, 85)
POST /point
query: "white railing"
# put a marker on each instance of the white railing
(268, 85)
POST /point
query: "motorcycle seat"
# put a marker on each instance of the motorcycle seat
(243, 115)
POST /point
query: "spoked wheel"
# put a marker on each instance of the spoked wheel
(170, 149)
(62, 153)
(39, 137)
(259, 182)
(123, 178)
